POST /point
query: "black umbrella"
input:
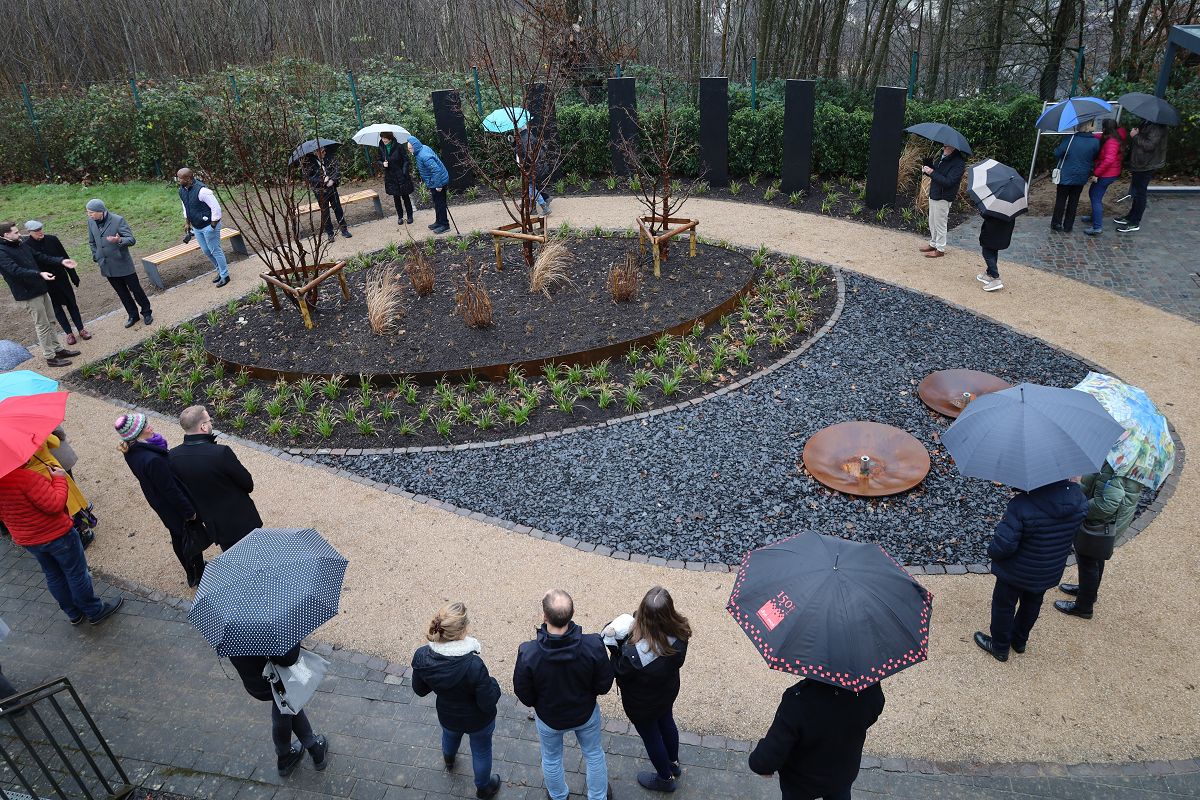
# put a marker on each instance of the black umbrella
(312, 146)
(997, 190)
(833, 610)
(942, 134)
(1149, 108)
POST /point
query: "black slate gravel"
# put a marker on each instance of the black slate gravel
(709, 482)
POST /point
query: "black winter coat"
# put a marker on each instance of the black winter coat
(648, 691)
(816, 741)
(60, 287)
(218, 486)
(317, 171)
(22, 266)
(1030, 546)
(250, 669)
(397, 175)
(996, 234)
(947, 175)
(561, 676)
(466, 693)
(162, 488)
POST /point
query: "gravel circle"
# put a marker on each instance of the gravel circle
(710, 482)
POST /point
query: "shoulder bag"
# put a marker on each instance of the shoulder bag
(1056, 173)
(1095, 540)
(292, 687)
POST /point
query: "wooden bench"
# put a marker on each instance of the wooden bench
(354, 197)
(150, 263)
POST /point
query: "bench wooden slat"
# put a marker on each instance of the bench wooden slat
(353, 197)
(189, 247)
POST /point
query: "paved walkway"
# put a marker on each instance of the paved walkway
(1156, 265)
(178, 719)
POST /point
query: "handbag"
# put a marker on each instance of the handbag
(1095, 540)
(195, 538)
(1056, 173)
(292, 687)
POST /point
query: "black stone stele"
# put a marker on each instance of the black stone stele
(799, 108)
(887, 132)
(714, 131)
(622, 120)
(543, 121)
(452, 132)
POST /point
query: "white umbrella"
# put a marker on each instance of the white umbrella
(369, 136)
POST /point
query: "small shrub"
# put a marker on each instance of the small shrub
(632, 399)
(575, 374)
(754, 178)
(485, 421)
(275, 427)
(213, 318)
(658, 359)
(383, 293)
(610, 183)
(881, 215)
(641, 378)
(795, 197)
(827, 205)
(605, 397)
(770, 193)
(623, 278)
(635, 183)
(419, 268)
(560, 187)
(406, 427)
(735, 188)
(550, 268)
(366, 427)
(332, 387)
(239, 422)
(856, 208)
(472, 193)
(599, 372)
(295, 429)
(387, 409)
(218, 370)
(585, 185)
(443, 425)
(242, 378)
(759, 258)
(275, 407)
(473, 303)
(700, 187)
(669, 384)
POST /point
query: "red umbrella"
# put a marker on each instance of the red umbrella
(25, 422)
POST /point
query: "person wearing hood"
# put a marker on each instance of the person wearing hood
(216, 482)
(145, 453)
(110, 238)
(28, 275)
(436, 177)
(1029, 552)
(559, 675)
(450, 667)
(648, 651)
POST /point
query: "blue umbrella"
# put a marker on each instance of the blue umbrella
(13, 354)
(23, 382)
(1031, 435)
(262, 596)
(503, 120)
(1071, 112)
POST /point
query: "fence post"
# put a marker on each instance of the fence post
(358, 113)
(754, 83)
(619, 70)
(237, 95)
(137, 104)
(478, 94)
(1075, 76)
(913, 60)
(37, 134)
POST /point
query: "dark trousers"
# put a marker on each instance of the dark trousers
(192, 566)
(481, 751)
(439, 207)
(6, 687)
(1138, 184)
(63, 304)
(1091, 572)
(403, 205)
(1013, 613)
(1066, 202)
(661, 738)
(325, 200)
(990, 257)
(284, 725)
(129, 288)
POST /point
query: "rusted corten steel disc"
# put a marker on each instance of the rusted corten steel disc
(948, 391)
(868, 459)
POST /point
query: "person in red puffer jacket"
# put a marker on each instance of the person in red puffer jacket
(34, 509)
(1108, 168)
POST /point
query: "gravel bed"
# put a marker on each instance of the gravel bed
(710, 482)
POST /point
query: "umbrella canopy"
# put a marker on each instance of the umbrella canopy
(24, 382)
(1149, 108)
(369, 135)
(13, 354)
(25, 422)
(1146, 453)
(312, 146)
(998, 190)
(942, 134)
(1031, 435)
(262, 596)
(836, 611)
(503, 120)
(1071, 112)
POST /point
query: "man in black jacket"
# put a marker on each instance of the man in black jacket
(27, 273)
(216, 481)
(560, 674)
(816, 741)
(62, 296)
(324, 176)
(944, 178)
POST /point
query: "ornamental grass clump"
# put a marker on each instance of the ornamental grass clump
(419, 267)
(474, 304)
(549, 270)
(383, 293)
(623, 278)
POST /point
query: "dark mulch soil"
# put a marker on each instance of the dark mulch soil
(526, 326)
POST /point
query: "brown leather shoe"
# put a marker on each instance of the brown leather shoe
(84, 333)
(934, 254)
(927, 249)
(61, 353)
(57, 362)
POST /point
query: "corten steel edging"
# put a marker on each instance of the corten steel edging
(497, 372)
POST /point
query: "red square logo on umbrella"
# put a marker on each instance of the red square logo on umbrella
(774, 610)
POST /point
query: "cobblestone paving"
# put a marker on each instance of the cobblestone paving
(180, 722)
(1157, 265)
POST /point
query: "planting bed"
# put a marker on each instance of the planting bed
(708, 482)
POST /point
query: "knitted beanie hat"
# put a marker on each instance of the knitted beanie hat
(130, 426)
(96, 204)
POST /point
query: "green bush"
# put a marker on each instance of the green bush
(841, 140)
(583, 137)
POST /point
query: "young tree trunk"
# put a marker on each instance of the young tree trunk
(994, 43)
(934, 69)
(1118, 26)
(1064, 21)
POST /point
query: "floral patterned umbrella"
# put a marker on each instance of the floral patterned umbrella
(1146, 453)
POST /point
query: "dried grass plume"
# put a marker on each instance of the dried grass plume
(550, 268)
(384, 293)
(474, 302)
(420, 270)
(623, 278)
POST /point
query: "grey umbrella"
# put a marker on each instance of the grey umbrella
(1149, 108)
(312, 146)
(1031, 435)
(942, 134)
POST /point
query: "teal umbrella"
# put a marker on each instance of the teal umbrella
(504, 120)
(24, 382)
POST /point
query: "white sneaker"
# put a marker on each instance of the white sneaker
(982, 278)
(992, 286)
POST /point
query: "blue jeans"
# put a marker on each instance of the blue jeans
(481, 751)
(590, 742)
(67, 577)
(209, 240)
(1096, 195)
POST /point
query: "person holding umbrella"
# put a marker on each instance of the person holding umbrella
(1000, 194)
(323, 175)
(397, 175)
(945, 176)
(1147, 151)
(436, 177)
(1076, 156)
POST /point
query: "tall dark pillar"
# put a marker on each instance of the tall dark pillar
(452, 131)
(714, 131)
(622, 121)
(887, 133)
(799, 109)
(543, 123)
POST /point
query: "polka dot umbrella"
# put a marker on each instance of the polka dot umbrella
(265, 594)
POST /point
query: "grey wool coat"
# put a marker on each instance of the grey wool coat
(114, 259)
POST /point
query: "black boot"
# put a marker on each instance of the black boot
(490, 790)
(985, 643)
(320, 753)
(288, 763)
(1071, 608)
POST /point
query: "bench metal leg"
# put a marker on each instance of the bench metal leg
(378, 206)
(239, 245)
(151, 270)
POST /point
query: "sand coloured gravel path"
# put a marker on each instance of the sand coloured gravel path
(1120, 687)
